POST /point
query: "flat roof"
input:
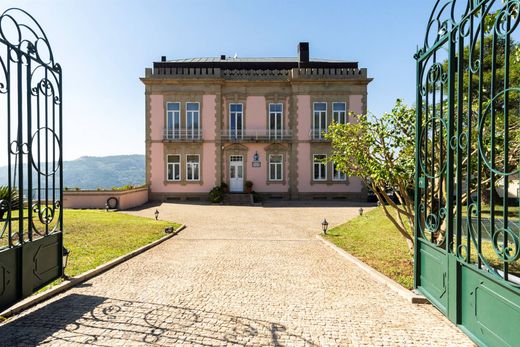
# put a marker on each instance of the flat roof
(253, 63)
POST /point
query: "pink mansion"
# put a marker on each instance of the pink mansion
(230, 120)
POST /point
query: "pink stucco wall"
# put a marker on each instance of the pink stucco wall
(158, 170)
(97, 199)
(256, 117)
(305, 183)
(157, 116)
(208, 116)
(304, 117)
(158, 183)
(258, 175)
(355, 104)
(255, 113)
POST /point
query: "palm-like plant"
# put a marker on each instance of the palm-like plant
(9, 199)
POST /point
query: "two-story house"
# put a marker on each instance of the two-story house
(231, 120)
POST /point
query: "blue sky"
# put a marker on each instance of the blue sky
(104, 47)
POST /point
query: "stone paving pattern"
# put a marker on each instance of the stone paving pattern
(235, 276)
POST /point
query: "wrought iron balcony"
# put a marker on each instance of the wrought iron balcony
(256, 135)
(317, 135)
(182, 135)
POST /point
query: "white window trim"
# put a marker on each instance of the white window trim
(174, 133)
(173, 169)
(242, 116)
(319, 135)
(334, 113)
(193, 131)
(336, 178)
(281, 120)
(198, 161)
(314, 162)
(281, 168)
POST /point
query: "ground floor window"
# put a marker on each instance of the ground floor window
(320, 167)
(338, 175)
(275, 167)
(174, 167)
(192, 167)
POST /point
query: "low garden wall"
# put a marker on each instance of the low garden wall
(97, 199)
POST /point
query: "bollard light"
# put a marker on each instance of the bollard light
(65, 260)
(156, 214)
(106, 207)
(324, 226)
(361, 211)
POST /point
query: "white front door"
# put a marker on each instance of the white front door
(236, 174)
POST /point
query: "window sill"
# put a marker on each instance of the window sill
(281, 182)
(183, 183)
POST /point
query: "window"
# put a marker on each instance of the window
(192, 120)
(320, 167)
(338, 175)
(319, 120)
(173, 120)
(275, 167)
(275, 121)
(236, 119)
(339, 112)
(192, 167)
(174, 167)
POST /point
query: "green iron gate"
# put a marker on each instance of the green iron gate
(467, 169)
(31, 242)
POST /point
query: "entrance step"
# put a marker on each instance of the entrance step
(238, 199)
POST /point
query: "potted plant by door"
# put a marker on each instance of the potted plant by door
(249, 186)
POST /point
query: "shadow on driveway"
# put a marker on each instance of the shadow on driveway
(85, 319)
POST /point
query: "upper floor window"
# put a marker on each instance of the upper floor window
(173, 120)
(275, 121)
(236, 120)
(174, 167)
(192, 167)
(338, 175)
(320, 167)
(339, 112)
(319, 120)
(192, 120)
(275, 167)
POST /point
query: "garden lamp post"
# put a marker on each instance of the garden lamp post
(324, 226)
(156, 214)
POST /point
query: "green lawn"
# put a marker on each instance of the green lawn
(375, 241)
(512, 212)
(95, 237)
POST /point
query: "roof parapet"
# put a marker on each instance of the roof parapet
(257, 74)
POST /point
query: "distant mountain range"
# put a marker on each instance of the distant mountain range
(99, 172)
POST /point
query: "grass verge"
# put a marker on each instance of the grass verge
(97, 237)
(375, 241)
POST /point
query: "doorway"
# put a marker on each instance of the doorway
(236, 174)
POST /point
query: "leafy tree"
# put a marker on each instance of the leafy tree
(381, 151)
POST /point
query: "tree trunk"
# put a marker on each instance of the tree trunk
(486, 196)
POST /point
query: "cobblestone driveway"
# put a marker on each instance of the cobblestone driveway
(236, 275)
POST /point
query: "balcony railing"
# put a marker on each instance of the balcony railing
(256, 135)
(318, 135)
(182, 135)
